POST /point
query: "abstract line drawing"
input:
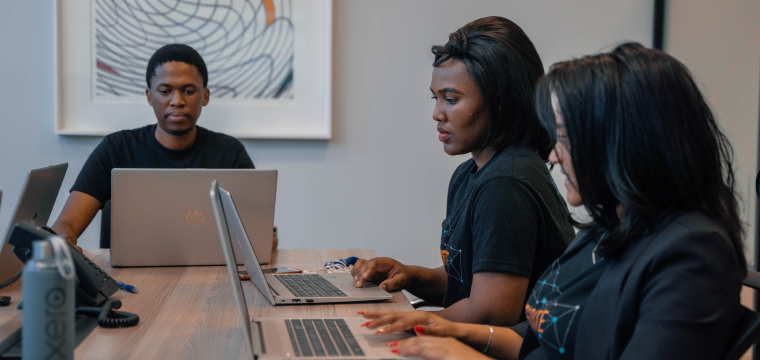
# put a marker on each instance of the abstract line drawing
(248, 45)
(551, 319)
(451, 257)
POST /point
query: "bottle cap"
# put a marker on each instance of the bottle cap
(55, 247)
(42, 250)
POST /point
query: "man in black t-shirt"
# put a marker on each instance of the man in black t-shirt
(177, 90)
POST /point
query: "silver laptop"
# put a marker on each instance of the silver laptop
(282, 289)
(162, 217)
(35, 203)
(278, 338)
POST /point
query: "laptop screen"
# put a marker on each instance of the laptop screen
(229, 257)
(35, 203)
(239, 236)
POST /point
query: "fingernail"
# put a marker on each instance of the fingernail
(382, 330)
(361, 312)
(382, 287)
(366, 323)
(396, 351)
(418, 329)
(393, 344)
(356, 278)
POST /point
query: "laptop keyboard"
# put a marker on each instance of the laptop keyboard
(309, 286)
(317, 337)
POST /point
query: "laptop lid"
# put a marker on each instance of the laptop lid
(35, 203)
(162, 217)
(239, 236)
(232, 270)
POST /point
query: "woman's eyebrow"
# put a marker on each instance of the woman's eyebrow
(447, 89)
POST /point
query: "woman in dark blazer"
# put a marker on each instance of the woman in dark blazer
(657, 273)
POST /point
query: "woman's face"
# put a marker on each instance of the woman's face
(459, 109)
(561, 156)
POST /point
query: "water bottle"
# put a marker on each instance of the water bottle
(47, 330)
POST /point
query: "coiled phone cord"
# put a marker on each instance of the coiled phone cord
(107, 317)
(11, 280)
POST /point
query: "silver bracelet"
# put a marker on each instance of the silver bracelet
(489, 340)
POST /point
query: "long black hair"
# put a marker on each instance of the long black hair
(505, 66)
(641, 136)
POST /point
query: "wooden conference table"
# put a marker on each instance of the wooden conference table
(188, 312)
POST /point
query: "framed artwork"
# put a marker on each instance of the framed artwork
(268, 64)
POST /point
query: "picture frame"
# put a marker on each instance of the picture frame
(83, 110)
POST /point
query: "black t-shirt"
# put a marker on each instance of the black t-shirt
(555, 305)
(138, 148)
(507, 217)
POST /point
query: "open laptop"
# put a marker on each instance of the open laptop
(279, 338)
(35, 203)
(162, 217)
(282, 289)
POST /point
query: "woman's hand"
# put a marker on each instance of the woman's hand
(436, 348)
(456, 339)
(388, 273)
(422, 322)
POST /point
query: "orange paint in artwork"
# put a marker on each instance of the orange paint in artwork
(269, 6)
(444, 256)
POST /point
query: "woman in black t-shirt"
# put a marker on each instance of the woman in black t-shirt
(505, 220)
(657, 274)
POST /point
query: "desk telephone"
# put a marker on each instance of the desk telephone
(94, 285)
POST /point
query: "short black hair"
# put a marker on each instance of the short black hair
(641, 136)
(505, 66)
(176, 52)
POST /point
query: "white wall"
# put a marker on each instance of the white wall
(381, 181)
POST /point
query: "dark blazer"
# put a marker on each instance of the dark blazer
(674, 294)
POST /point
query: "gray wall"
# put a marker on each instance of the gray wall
(718, 42)
(381, 181)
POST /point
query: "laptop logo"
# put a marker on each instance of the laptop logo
(34, 219)
(194, 217)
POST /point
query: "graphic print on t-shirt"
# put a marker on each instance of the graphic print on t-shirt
(549, 318)
(451, 257)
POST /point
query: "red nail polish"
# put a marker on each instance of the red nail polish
(418, 329)
(396, 351)
(365, 324)
(361, 313)
(393, 344)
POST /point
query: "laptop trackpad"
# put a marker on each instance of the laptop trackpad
(380, 341)
(346, 281)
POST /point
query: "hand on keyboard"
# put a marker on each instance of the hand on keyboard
(422, 322)
(388, 273)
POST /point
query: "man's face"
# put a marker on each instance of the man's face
(177, 95)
